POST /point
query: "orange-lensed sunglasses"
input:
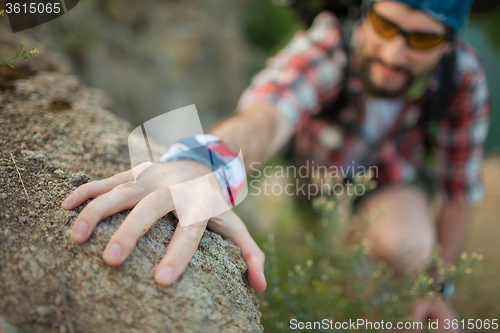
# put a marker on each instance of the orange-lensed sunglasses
(414, 40)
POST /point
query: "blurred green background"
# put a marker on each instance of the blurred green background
(482, 33)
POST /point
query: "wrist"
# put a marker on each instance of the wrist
(446, 289)
(223, 159)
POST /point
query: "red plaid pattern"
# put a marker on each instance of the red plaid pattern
(309, 72)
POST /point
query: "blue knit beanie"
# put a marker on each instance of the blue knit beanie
(453, 13)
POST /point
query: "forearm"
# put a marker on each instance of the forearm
(453, 225)
(260, 130)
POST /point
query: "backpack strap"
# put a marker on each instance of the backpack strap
(438, 102)
(331, 110)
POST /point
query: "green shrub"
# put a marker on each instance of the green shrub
(340, 282)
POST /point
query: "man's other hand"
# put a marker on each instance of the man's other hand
(439, 309)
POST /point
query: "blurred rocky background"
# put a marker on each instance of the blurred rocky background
(155, 56)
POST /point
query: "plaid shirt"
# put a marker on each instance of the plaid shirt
(309, 72)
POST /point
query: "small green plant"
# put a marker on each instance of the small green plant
(340, 282)
(18, 56)
(19, 53)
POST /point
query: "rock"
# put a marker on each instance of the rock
(6, 327)
(79, 179)
(43, 311)
(43, 281)
(60, 173)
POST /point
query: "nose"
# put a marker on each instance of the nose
(393, 52)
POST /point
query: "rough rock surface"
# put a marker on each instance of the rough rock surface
(61, 136)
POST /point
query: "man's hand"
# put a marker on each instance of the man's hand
(121, 192)
(439, 309)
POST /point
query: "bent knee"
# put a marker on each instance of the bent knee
(403, 236)
(409, 257)
(403, 255)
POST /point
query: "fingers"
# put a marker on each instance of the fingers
(179, 252)
(441, 311)
(95, 189)
(438, 309)
(122, 197)
(137, 223)
(233, 227)
(419, 313)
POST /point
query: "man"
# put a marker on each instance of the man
(394, 68)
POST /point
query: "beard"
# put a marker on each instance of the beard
(376, 90)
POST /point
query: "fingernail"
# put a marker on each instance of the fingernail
(113, 253)
(80, 230)
(69, 200)
(164, 275)
(263, 276)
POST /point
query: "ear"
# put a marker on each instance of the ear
(357, 32)
(448, 48)
(361, 28)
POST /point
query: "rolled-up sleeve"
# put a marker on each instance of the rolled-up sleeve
(303, 75)
(461, 138)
